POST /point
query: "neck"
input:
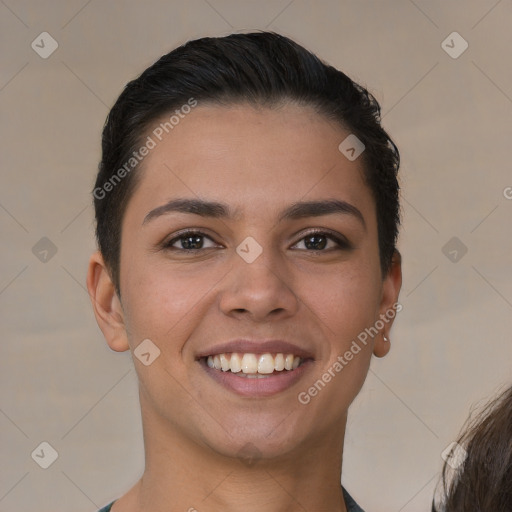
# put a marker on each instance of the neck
(193, 478)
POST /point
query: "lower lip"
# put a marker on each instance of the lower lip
(258, 387)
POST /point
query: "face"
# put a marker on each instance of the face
(256, 280)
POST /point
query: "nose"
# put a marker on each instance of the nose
(261, 290)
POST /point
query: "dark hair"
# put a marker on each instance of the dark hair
(260, 68)
(483, 482)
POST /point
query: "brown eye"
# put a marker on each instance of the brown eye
(189, 241)
(319, 240)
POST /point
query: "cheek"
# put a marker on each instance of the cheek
(347, 304)
(346, 301)
(159, 302)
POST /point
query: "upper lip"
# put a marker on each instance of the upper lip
(251, 346)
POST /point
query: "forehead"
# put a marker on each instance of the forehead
(252, 158)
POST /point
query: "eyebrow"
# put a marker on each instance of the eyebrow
(298, 210)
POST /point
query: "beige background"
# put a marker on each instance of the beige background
(451, 345)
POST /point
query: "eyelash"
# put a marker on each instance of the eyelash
(342, 243)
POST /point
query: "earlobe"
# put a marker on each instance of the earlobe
(389, 306)
(106, 304)
(381, 346)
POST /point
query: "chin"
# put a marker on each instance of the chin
(251, 442)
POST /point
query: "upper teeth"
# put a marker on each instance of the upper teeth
(252, 363)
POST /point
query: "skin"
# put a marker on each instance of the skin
(207, 447)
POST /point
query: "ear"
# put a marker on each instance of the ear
(389, 306)
(106, 304)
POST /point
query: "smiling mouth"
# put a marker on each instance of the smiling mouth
(254, 366)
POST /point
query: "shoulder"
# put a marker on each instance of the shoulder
(107, 508)
(352, 506)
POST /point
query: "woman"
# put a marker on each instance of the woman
(247, 213)
(481, 479)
